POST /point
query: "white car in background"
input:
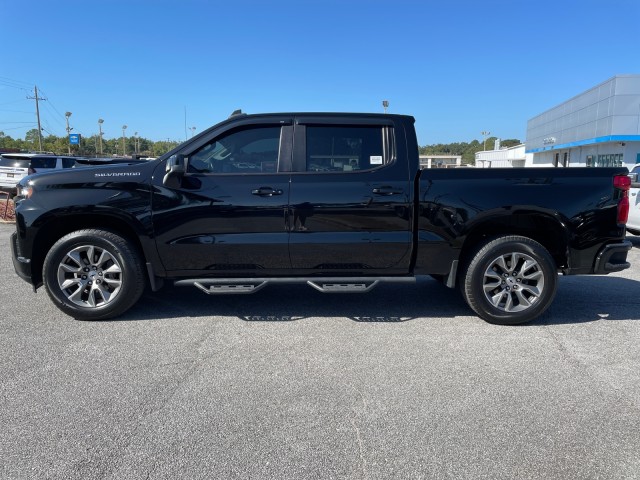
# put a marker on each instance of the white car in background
(633, 224)
(15, 166)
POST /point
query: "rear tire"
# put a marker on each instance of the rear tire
(509, 280)
(93, 274)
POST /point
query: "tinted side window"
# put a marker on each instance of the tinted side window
(45, 162)
(250, 150)
(68, 162)
(344, 148)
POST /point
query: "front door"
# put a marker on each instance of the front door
(228, 216)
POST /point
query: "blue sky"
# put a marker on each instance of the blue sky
(458, 66)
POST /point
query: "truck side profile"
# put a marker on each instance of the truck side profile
(337, 201)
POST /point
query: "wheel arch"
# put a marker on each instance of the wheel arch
(548, 230)
(56, 228)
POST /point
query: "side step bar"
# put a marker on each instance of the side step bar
(222, 286)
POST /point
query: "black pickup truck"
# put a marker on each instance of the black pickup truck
(337, 201)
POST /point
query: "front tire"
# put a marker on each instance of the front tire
(93, 274)
(510, 280)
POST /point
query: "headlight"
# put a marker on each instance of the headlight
(25, 191)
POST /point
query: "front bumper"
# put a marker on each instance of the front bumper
(21, 264)
(612, 258)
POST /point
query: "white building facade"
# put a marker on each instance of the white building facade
(503, 157)
(440, 161)
(598, 128)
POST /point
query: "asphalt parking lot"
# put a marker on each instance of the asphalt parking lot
(403, 382)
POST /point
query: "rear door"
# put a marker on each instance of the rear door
(228, 217)
(350, 206)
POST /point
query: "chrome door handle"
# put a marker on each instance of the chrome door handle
(386, 191)
(266, 192)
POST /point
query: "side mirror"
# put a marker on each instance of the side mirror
(175, 171)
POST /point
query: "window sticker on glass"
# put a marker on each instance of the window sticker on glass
(375, 159)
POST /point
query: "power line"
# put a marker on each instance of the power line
(54, 117)
(14, 111)
(52, 105)
(12, 85)
(14, 81)
(18, 128)
(14, 101)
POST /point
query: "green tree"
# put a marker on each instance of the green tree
(467, 150)
(510, 142)
(31, 138)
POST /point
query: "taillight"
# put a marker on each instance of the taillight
(623, 183)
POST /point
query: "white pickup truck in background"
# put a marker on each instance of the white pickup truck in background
(633, 225)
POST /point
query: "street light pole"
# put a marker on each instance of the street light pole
(485, 134)
(385, 105)
(100, 122)
(124, 147)
(67, 115)
(135, 142)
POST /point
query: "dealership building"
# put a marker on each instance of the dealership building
(598, 128)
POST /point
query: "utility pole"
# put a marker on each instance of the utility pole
(36, 98)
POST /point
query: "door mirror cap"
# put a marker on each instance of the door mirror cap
(176, 163)
(175, 171)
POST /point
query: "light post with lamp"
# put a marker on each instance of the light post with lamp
(485, 134)
(100, 122)
(124, 138)
(67, 115)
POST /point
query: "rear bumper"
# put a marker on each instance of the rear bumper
(612, 258)
(21, 265)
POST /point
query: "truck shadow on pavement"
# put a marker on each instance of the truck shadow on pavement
(579, 299)
(582, 299)
(635, 241)
(286, 303)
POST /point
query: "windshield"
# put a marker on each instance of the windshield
(15, 162)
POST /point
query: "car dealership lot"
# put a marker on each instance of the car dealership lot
(291, 383)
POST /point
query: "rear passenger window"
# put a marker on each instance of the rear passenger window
(345, 148)
(37, 163)
(68, 162)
